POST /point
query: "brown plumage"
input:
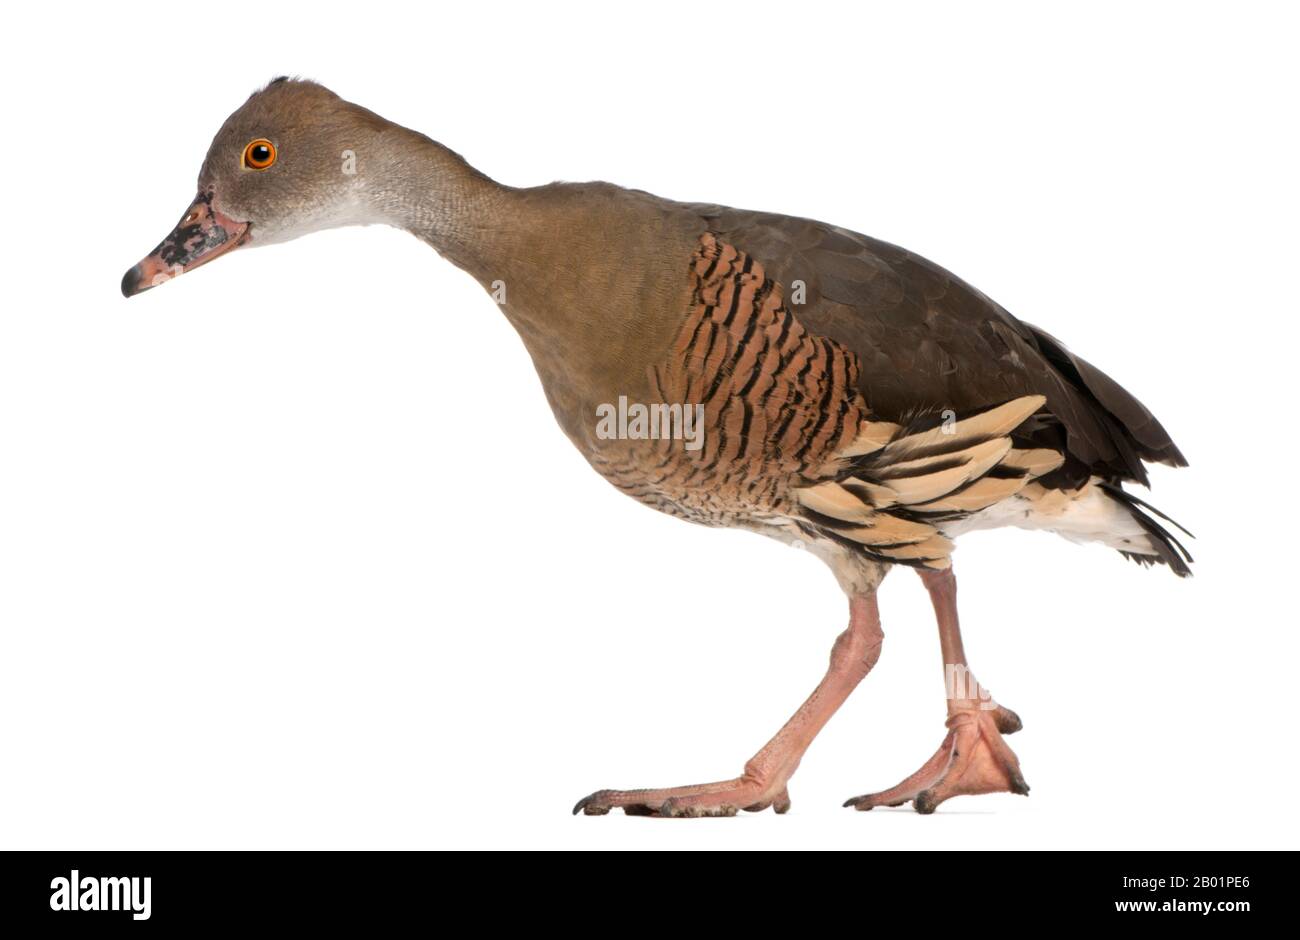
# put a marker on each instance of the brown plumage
(851, 396)
(929, 340)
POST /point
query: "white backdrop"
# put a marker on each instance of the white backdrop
(248, 597)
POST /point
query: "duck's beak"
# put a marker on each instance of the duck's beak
(201, 235)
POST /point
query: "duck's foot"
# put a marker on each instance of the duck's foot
(762, 784)
(972, 759)
(724, 798)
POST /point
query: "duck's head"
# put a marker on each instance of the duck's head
(278, 168)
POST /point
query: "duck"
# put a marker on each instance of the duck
(739, 369)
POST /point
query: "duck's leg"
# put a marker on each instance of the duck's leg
(763, 782)
(973, 758)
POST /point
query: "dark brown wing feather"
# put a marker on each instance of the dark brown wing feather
(928, 341)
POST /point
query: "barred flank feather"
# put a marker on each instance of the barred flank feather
(898, 483)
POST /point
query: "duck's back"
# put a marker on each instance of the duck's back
(928, 342)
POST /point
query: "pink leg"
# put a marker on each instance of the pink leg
(973, 757)
(763, 782)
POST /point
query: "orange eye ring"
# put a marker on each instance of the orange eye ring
(259, 154)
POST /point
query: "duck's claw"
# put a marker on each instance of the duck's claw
(972, 759)
(725, 798)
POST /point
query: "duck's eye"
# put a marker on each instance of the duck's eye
(259, 154)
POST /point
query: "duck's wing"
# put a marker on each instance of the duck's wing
(929, 342)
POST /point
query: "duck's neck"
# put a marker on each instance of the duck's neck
(507, 239)
(554, 258)
(430, 191)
